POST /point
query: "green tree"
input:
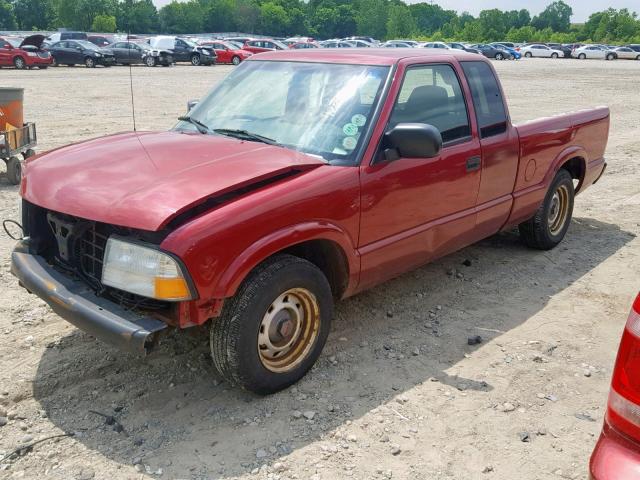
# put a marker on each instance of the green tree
(33, 14)
(333, 22)
(557, 17)
(137, 16)
(247, 15)
(104, 24)
(274, 19)
(7, 18)
(493, 25)
(371, 18)
(400, 23)
(181, 17)
(430, 18)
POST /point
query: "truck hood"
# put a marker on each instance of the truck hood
(143, 180)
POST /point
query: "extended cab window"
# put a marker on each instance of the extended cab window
(487, 98)
(432, 94)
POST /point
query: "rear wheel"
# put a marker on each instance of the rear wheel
(611, 56)
(499, 56)
(235, 60)
(54, 62)
(548, 226)
(195, 60)
(14, 170)
(273, 330)
(19, 63)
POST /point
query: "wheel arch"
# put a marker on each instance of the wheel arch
(325, 245)
(574, 160)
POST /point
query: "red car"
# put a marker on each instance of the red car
(301, 45)
(228, 52)
(27, 53)
(263, 45)
(617, 453)
(304, 177)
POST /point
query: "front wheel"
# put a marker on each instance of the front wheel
(549, 225)
(273, 330)
(611, 56)
(19, 63)
(528, 54)
(195, 60)
(150, 61)
(554, 55)
(54, 62)
(235, 60)
(582, 56)
(89, 62)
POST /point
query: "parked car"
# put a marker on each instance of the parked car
(27, 53)
(256, 238)
(371, 40)
(303, 45)
(593, 52)
(335, 44)
(634, 47)
(617, 453)
(74, 52)
(100, 40)
(626, 53)
(565, 49)
(515, 54)
(463, 47)
(184, 50)
(59, 36)
(228, 52)
(359, 43)
(541, 51)
(130, 53)
(395, 44)
(440, 45)
(239, 40)
(290, 41)
(492, 52)
(264, 45)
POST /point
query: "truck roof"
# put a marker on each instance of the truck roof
(363, 56)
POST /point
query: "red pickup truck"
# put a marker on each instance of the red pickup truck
(302, 178)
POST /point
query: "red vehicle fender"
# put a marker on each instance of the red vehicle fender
(570, 153)
(236, 272)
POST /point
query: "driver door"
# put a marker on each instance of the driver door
(415, 209)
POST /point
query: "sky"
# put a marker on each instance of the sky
(581, 8)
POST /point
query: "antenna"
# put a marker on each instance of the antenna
(133, 105)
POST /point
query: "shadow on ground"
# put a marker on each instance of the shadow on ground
(178, 415)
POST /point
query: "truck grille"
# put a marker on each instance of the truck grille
(78, 246)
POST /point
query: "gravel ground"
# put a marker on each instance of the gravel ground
(398, 393)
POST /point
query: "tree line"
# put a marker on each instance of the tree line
(381, 19)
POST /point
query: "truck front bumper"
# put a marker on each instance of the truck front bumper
(74, 301)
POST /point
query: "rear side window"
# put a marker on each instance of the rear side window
(487, 98)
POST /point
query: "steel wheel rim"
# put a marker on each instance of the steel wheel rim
(235, 60)
(19, 63)
(558, 210)
(195, 60)
(288, 330)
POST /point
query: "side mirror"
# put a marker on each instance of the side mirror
(412, 140)
(191, 104)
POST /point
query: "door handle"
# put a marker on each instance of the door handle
(473, 163)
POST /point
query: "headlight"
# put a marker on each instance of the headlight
(98, 54)
(144, 271)
(32, 54)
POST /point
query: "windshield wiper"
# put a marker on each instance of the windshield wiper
(244, 134)
(202, 128)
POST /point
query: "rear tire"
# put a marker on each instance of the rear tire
(14, 170)
(499, 56)
(549, 225)
(54, 62)
(273, 330)
(611, 56)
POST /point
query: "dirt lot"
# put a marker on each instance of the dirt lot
(398, 393)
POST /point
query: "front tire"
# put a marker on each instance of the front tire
(89, 62)
(611, 56)
(273, 330)
(195, 60)
(528, 54)
(554, 55)
(150, 61)
(235, 60)
(19, 63)
(582, 56)
(549, 225)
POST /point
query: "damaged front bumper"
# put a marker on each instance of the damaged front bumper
(74, 301)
